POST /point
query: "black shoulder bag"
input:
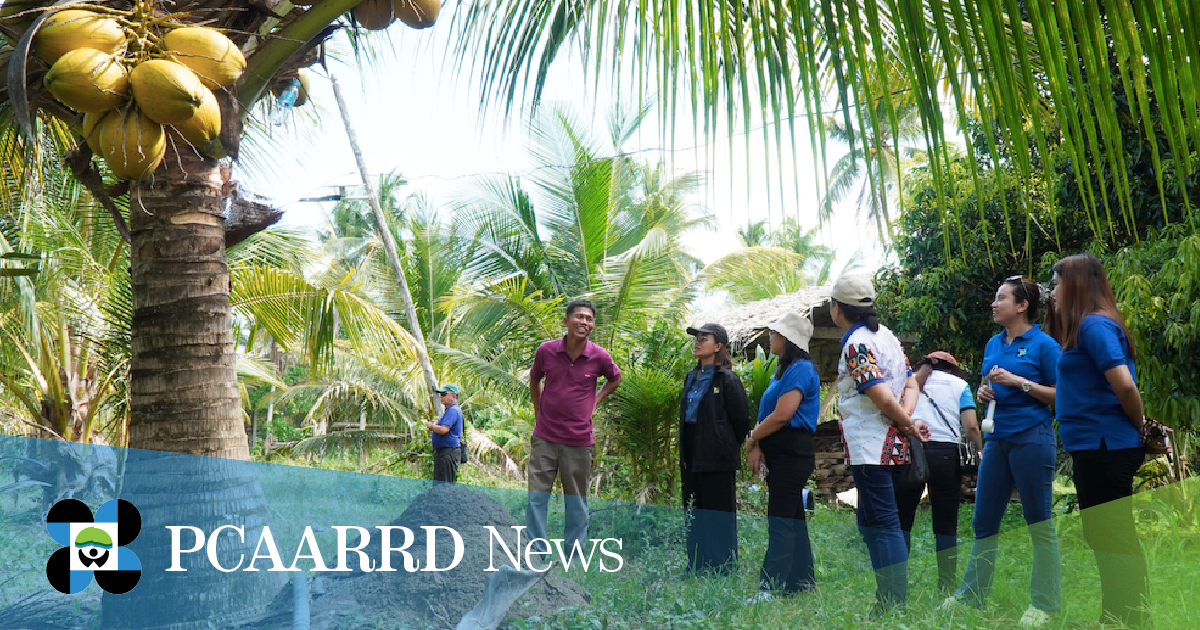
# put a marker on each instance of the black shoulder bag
(917, 472)
(462, 444)
(968, 453)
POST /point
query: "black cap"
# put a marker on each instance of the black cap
(716, 330)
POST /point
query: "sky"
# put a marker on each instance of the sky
(412, 115)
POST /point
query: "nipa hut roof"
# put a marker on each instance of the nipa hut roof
(746, 325)
(746, 322)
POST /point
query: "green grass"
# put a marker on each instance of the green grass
(651, 590)
(24, 546)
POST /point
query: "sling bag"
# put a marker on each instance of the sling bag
(968, 453)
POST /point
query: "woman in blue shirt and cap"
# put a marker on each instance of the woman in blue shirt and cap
(1019, 451)
(713, 419)
(1100, 418)
(782, 443)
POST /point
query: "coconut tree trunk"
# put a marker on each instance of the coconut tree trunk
(389, 246)
(184, 399)
(183, 385)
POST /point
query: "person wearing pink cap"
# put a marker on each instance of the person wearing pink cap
(947, 406)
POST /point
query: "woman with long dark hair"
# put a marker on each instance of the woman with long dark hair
(1100, 418)
(782, 442)
(947, 406)
(713, 419)
(1019, 451)
(873, 375)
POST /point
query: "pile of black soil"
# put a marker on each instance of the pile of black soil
(422, 599)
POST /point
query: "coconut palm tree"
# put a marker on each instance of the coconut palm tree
(180, 280)
(792, 236)
(183, 393)
(754, 234)
(63, 377)
(872, 163)
(595, 223)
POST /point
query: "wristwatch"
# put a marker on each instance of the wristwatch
(1027, 386)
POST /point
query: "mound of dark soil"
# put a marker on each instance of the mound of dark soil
(431, 598)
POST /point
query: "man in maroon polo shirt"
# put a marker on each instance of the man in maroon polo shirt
(563, 405)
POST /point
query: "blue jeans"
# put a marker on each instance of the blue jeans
(879, 523)
(1024, 461)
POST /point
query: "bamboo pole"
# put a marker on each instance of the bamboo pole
(389, 247)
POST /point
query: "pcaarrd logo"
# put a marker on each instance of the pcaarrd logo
(93, 546)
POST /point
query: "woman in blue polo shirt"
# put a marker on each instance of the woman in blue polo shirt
(783, 442)
(1018, 368)
(1100, 417)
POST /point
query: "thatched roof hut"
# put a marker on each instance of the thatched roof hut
(747, 324)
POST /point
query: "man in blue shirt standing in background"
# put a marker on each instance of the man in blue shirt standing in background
(447, 435)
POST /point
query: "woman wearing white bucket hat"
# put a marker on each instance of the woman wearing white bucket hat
(783, 440)
(873, 375)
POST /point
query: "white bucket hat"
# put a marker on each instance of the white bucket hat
(795, 328)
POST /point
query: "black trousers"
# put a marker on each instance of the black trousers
(1104, 483)
(945, 495)
(445, 464)
(710, 510)
(791, 459)
(710, 513)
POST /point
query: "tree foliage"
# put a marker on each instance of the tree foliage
(1157, 284)
(944, 300)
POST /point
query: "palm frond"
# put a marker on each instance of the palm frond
(296, 312)
(756, 273)
(1030, 70)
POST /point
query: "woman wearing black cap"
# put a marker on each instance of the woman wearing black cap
(714, 417)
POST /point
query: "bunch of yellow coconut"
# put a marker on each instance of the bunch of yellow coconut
(138, 80)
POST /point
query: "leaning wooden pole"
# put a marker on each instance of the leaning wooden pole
(389, 246)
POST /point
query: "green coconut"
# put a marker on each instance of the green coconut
(88, 80)
(166, 91)
(131, 143)
(211, 55)
(77, 28)
(91, 130)
(374, 15)
(203, 129)
(417, 13)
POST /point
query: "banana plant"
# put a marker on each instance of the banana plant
(762, 368)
